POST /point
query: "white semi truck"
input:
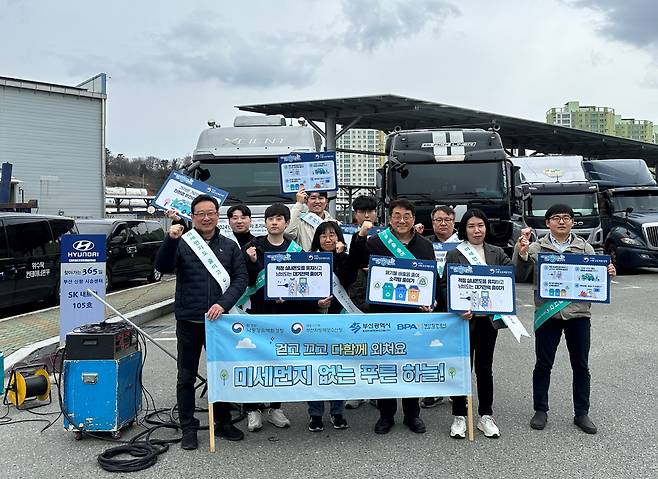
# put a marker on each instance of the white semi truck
(243, 160)
(546, 180)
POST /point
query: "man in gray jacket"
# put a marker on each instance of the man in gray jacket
(309, 211)
(573, 319)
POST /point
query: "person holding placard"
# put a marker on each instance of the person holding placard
(554, 317)
(474, 250)
(305, 216)
(277, 218)
(443, 224)
(329, 238)
(200, 294)
(401, 219)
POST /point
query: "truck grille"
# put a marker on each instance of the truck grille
(651, 233)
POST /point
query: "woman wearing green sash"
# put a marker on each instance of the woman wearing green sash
(472, 230)
(554, 317)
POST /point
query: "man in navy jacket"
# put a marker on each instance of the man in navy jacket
(199, 295)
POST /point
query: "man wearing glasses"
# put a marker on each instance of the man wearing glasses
(443, 224)
(573, 319)
(401, 220)
(198, 296)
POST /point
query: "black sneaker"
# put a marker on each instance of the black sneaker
(431, 401)
(416, 424)
(585, 423)
(316, 424)
(229, 432)
(384, 425)
(189, 441)
(538, 421)
(339, 421)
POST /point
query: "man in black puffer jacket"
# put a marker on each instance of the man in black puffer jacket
(198, 294)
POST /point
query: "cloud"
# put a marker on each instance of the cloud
(632, 22)
(436, 343)
(373, 24)
(418, 333)
(245, 343)
(204, 47)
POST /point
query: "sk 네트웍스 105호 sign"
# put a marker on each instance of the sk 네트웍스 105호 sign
(271, 358)
(82, 267)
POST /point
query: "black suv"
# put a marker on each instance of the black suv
(131, 247)
(29, 257)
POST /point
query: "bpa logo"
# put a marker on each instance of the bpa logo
(404, 326)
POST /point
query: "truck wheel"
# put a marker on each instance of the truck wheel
(155, 276)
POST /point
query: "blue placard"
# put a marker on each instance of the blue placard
(314, 171)
(481, 289)
(401, 282)
(349, 230)
(82, 267)
(272, 358)
(573, 277)
(295, 276)
(178, 191)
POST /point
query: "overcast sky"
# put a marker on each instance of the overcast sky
(173, 65)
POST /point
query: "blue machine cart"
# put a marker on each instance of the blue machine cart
(102, 395)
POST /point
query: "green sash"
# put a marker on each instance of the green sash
(394, 245)
(547, 310)
(260, 279)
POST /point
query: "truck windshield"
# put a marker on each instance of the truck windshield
(638, 200)
(248, 180)
(582, 204)
(442, 181)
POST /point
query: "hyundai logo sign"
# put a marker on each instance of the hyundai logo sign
(83, 245)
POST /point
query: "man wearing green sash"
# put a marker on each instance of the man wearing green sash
(400, 241)
(553, 317)
(277, 217)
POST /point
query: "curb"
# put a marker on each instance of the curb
(48, 347)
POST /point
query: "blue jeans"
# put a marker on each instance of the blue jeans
(316, 408)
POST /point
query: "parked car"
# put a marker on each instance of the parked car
(131, 247)
(29, 257)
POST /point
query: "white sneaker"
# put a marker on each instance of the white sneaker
(458, 428)
(354, 403)
(276, 417)
(487, 425)
(254, 421)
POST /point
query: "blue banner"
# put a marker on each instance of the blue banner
(313, 171)
(481, 289)
(178, 191)
(298, 275)
(82, 267)
(349, 230)
(573, 277)
(401, 282)
(271, 358)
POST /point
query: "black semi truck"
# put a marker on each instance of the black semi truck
(461, 168)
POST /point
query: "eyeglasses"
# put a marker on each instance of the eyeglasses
(445, 221)
(561, 218)
(405, 217)
(203, 214)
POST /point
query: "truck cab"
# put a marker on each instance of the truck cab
(243, 160)
(461, 168)
(547, 180)
(628, 202)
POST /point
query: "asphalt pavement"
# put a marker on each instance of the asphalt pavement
(623, 362)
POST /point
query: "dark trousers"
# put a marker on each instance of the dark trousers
(483, 343)
(191, 338)
(388, 407)
(547, 339)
